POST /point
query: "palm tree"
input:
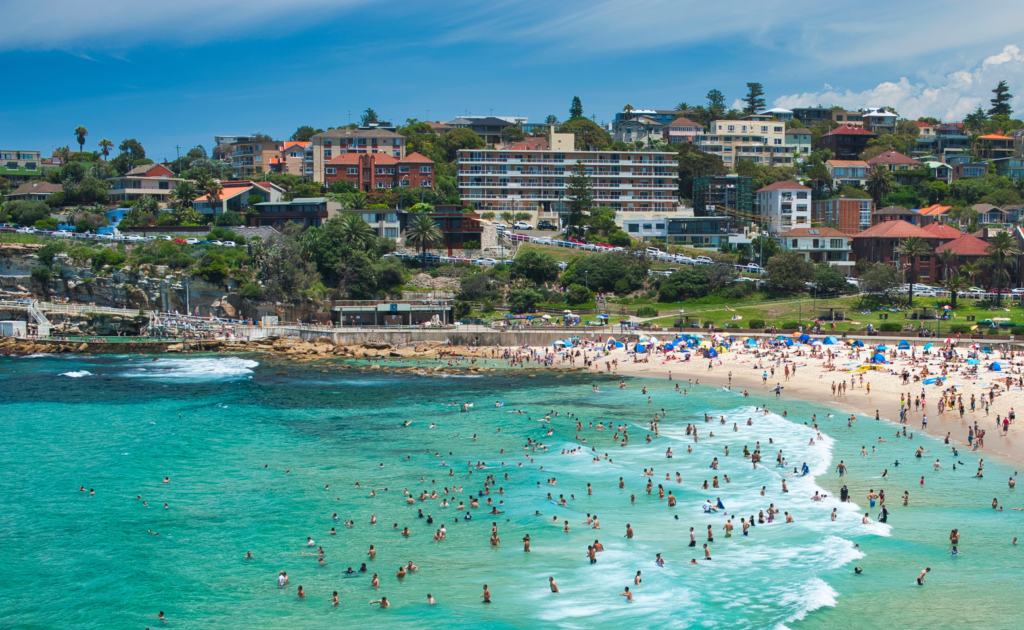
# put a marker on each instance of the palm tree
(1001, 247)
(683, 107)
(105, 146)
(880, 183)
(63, 154)
(913, 247)
(628, 109)
(423, 232)
(184, 195)
(80, 133)
(948, 261)
(357, 231)
(954, 283)
(971, 271)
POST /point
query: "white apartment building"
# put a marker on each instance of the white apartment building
(526, 177)
(819, 245)
(758, 138)
(784, 206)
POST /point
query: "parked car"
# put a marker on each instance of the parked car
(25, 230)
(211, 242)
(703, 260)
(134, 238)
(192, 241)
(546, 225)
(228, 243)
(522, 225)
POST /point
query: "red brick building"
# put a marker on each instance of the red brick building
(380, 171)
(845, 214)
(846, 141)
(878, 243)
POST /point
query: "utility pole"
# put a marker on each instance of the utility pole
(177, 150)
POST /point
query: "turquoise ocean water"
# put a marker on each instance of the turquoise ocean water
(226, 430)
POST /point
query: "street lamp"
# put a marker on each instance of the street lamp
(586, 278)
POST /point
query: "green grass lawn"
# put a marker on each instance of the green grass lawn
(565, 254)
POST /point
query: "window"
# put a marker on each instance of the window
(647, 226)
(405, 183)
(403, 169)
(659, 226)
(425, 169)
(801, 195)
(835, 243)
(327, 153)
(332, 171)
(764, 129)
(634, 228)
(425, 183)
(794, 244)
(778, 140)
(391, 232)
(732, 128)
(380, 184)
(777, 129)
(164, 185)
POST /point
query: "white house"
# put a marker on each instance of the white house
(819, 245)
(784, 206)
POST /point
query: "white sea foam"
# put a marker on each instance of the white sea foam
(38, 355)
(807, 597)
(78, 374)
(203, 369)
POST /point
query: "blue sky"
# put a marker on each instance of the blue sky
(178, 73)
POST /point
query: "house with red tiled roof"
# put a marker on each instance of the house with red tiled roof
(819, 245)
(784, 206)
(682, 130)
(879, 243)
(294, 157)
(968, 248)
(943, 232)
(379, 171)
(846, 142)
(894, 161)
(993, 146)
(851, 172)
(147, 180)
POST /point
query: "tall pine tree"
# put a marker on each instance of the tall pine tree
(716, 105)
(754, 99)
(1001, 101)
(576, 109)
(580, 197)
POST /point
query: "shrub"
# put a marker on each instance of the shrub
(622, 287)
(756, 323)
(962, 329)
(462, 309)
(890, 327)
(471, 245)
(578, 294)
(1017, 330)
(790, 325)
(487, 215)
(992, 331)
(646, 311)
(251, 291)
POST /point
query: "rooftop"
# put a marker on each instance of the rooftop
(966, 245)
(357, 133)
(892, 157)
(818, 231)
(894, 229)
(849, 130)
(37, 188)
(786, 185)
(942, 230)
(847, 163)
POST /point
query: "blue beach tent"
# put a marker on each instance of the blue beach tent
(830, 340)
(804, 338)
(995, 367)
(858, 343)
(879, 358)
(904, 345)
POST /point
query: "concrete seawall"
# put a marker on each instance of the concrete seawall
(457, 337)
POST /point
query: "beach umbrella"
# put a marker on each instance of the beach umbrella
(879, 358)
(804, 337)
(796, 335)
(559, 343)
(789, 342)
(816, 342)
(986, 350)
(995, 367)
(882, 348)
(947, 308)
(973, 362)
(928, 346)
(858, 343)
(904, 345)
(782, 337)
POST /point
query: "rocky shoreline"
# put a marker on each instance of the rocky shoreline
(377, 354)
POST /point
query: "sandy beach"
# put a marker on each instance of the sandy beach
(813, 382)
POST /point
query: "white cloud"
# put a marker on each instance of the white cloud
(77, 25)
(948, 97)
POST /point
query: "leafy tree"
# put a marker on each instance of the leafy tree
(578, 294)
(721, 274)
(881, 278)
(475, 287)
(827, 279)
(602, 272)
(282, 266)
(716, 105)
(576, 109)
(1001, 100)
(369, 117)
(551, 120)
(80, 134)
(686, 283)
(253, 199)
(788, 272)
(523, 300)
(105, 147)
(305, 133)
(880, 183)
(1001, 249)
(819, 176)
(975, 120)
(579, 195)
(512, 133)
(694, 163)
(754, 99)
(424, 233)
(537, 267)
(903, 197)
(1002, 197)
(132, 148)
(589, 134)
(343, 187)
(184, 194)
(851, 192)
(458, 139)
(213, 267)
(229, 218)
(26, 212)
(309, 189)
(601, 221)
(913, 247)
(47, 252)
